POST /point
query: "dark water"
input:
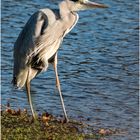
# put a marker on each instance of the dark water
(98, 66)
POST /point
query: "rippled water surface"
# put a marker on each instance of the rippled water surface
(98, 65)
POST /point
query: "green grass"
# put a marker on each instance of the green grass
(18, 125)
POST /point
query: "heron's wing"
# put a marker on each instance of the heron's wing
(26, 43)
(33, 29)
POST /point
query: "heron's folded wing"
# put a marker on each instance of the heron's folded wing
(39, 33)
(25, 43)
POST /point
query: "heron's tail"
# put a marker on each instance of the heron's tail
(19, 79)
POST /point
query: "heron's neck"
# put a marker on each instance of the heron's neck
(64, 9)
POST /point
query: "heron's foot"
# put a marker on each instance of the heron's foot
(66, 120)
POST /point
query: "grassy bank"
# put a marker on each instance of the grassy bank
(19, 125)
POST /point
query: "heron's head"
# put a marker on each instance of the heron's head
(77, 5)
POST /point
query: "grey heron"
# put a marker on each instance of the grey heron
(37, 45)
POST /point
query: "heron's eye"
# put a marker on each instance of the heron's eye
(75, 0)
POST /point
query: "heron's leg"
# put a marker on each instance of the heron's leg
(29, 94)
(59, 88)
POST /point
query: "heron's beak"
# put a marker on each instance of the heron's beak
(89, 4)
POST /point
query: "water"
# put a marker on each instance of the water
(98, 66)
